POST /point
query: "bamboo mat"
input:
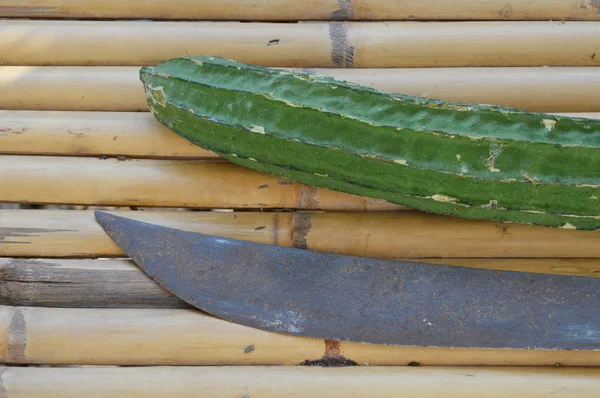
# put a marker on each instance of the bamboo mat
(75, 136)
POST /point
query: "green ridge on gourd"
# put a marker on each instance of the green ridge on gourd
(465, 160)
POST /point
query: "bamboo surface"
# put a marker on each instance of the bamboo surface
(277, 10)
(300, 382)
(72, 336)
(97, 283)
(556, 89)
(166, 183)
(119, 283)
(71, 88)
(310, 44)
(134, 134)
(404, 234)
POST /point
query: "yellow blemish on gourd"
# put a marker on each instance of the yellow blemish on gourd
(197, 62)
(594, 197)
(401, 161)
(457, 156)
(252, 159)
(443, 198)
(156, 95)
(474, 137)
(568, 226)
(549, 124)
(531, 179)
(321, 175)
(258, 129)
(587, 186)
(496, 149)
(493, 204)
(233, 154)
(462, 108)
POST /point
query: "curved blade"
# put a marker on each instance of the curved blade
(348, 298)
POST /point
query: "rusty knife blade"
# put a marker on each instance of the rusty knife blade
(369, 300)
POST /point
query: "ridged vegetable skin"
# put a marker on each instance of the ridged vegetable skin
(464, 160)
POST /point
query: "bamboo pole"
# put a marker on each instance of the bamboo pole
(277, 10)
(70, 336)
(119, 283)
(310, 44)
(103, 283)
(554, 89)
(406, 234)
(134, 134)
(78, 89)
(299, 382)
(166, 183)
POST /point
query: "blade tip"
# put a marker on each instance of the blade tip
(104, 218)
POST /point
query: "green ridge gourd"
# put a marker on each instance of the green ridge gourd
(465, 160)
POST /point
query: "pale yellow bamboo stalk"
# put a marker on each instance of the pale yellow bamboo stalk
(78, 89)
(278, 10)
(300, 382)
(310, 44)
(405, 234)
(67, 336)
(134, 134)
(119, 283)
(165, 183)
(557, 89)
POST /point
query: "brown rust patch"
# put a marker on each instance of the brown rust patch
(13, 232)
(308, 195)
(301, 226)
(332, 358)
(17, 338)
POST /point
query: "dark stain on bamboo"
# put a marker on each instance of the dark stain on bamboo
(595, 4)
(12, 232)
(8, 11)
(3, 392)
(249, 349)
(506, 10)
(301, 226)
(344, 13)
(308, 198)
(28, 282)
(332, 358)
(17, 338)
(342, 53)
